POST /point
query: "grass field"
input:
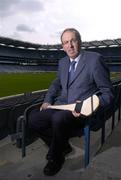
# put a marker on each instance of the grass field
(16, 83)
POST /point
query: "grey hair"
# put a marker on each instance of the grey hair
(77, 34)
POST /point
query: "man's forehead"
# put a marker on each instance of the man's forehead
(68, 35)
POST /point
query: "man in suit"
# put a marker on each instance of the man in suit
(90, 76)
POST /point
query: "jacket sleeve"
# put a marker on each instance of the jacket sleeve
(53, 91)
(102, 79)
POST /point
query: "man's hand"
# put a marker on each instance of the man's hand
(44, 106)
(75, 114)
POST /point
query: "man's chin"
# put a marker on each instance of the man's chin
(73, 56)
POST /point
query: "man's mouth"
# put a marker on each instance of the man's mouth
(71, 51)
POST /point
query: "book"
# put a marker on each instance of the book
(85, 107)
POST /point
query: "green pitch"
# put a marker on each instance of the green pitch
(16, 83)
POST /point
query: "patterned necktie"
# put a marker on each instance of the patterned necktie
(72, 70)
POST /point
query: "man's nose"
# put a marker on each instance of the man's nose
(70, 44)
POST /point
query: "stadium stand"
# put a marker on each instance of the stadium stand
(5, 68)
(24, 54)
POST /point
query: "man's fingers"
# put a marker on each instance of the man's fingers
(76, 114)
(44, 106)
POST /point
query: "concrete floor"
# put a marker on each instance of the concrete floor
(105, 165)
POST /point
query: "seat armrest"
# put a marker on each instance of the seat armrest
(30, 108)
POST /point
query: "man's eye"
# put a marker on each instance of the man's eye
(66, 42)
(71, 41)
(74, 41)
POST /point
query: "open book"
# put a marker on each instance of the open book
(86, 107)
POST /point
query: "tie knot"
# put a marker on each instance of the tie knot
(73, 62)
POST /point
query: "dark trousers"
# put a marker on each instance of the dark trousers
(55, 127)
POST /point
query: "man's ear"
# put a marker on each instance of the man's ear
(63, 48)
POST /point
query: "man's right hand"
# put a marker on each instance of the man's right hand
(44, 106)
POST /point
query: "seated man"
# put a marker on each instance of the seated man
(80, 75)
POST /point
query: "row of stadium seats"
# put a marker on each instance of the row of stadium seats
(12, 107)
(5, 68)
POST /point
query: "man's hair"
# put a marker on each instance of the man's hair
(77, 34)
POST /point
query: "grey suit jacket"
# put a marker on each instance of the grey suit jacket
(91, 77)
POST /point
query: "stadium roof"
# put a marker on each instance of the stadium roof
(4, 41)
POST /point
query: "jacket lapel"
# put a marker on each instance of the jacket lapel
(65, 71)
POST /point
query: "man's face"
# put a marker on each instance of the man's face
(71, 44)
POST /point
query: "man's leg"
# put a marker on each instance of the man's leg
(40, 122)
(59, 123)
(62, 122)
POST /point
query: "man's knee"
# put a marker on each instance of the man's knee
(31, 119)
(60, 118)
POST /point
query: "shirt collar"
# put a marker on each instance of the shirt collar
(76, 59)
